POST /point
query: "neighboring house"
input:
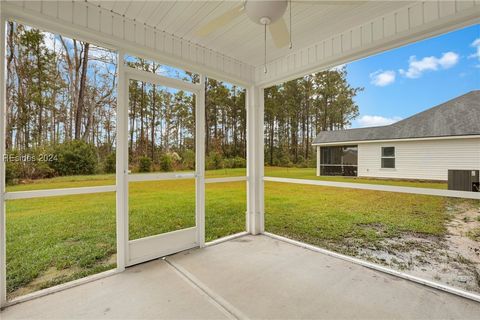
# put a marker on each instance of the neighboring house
(423, 146)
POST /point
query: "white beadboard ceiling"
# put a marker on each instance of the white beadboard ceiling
(242, 39)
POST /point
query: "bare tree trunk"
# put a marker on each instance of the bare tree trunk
(11, 46)
(152, 133)
(81, 93)
(207, 125)
(142, 120)
(40, 100)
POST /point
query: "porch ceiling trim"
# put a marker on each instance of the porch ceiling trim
(411, 23)
(89, 22)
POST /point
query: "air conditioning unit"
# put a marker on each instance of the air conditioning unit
(464, 180)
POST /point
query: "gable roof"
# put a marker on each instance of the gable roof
(457, 117)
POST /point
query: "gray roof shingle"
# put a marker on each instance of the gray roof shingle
(457, 117)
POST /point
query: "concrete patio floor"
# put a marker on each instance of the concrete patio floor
(248, 277)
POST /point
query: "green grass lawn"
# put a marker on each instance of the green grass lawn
(58, 239)
(328, 217)
(54, 240)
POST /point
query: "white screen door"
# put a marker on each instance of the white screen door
(162, 181)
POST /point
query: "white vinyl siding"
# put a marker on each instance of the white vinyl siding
(427, 159)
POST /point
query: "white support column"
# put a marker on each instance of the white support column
(318, 161)
(200, 161)
(255, 170)
(3, 105)
(122, 165)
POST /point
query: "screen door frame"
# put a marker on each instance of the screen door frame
(160, 245)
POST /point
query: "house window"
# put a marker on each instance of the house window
(388, 157)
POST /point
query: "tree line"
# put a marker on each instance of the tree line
(297, 110)
(162, 123)
(62, 99)
(58, 90)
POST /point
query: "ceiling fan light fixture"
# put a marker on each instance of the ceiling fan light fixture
(260, 11)
(265, 21)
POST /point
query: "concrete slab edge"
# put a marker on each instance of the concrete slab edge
(373, 266)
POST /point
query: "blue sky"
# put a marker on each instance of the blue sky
(404, 81)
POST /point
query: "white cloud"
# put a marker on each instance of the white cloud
(476, 45)
(417, 67)
(375, 121)
(382, 78)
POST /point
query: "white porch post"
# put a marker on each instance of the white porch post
(3, 104)
(122, 165)
(200, 161)
(318, 161)
(255, 195)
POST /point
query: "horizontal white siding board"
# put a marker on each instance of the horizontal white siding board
(134, 9)
(177, 48)
(33, 5)
(337, 45)
(446, 8)
(106, 23)
(377, 29)
(367, 34)
(118, 26)
(80, 14)
(129, 30)
(389, 25)
(50, 8)
(430, 11)
(120, 6)
(428, 160)
(160, 40)
(150, 38)
(464, 4)
(347, 41)
(401, 20)
(327, 46)
(140, 34)
(416, 15)
(356, 38)
(65, 11)
(94, 19)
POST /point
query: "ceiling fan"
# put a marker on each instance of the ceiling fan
(269, 14)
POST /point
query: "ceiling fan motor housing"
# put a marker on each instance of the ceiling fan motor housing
(265, 12)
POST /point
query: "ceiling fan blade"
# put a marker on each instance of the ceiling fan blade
(330, 3)
(280, 33)
(220, 21)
